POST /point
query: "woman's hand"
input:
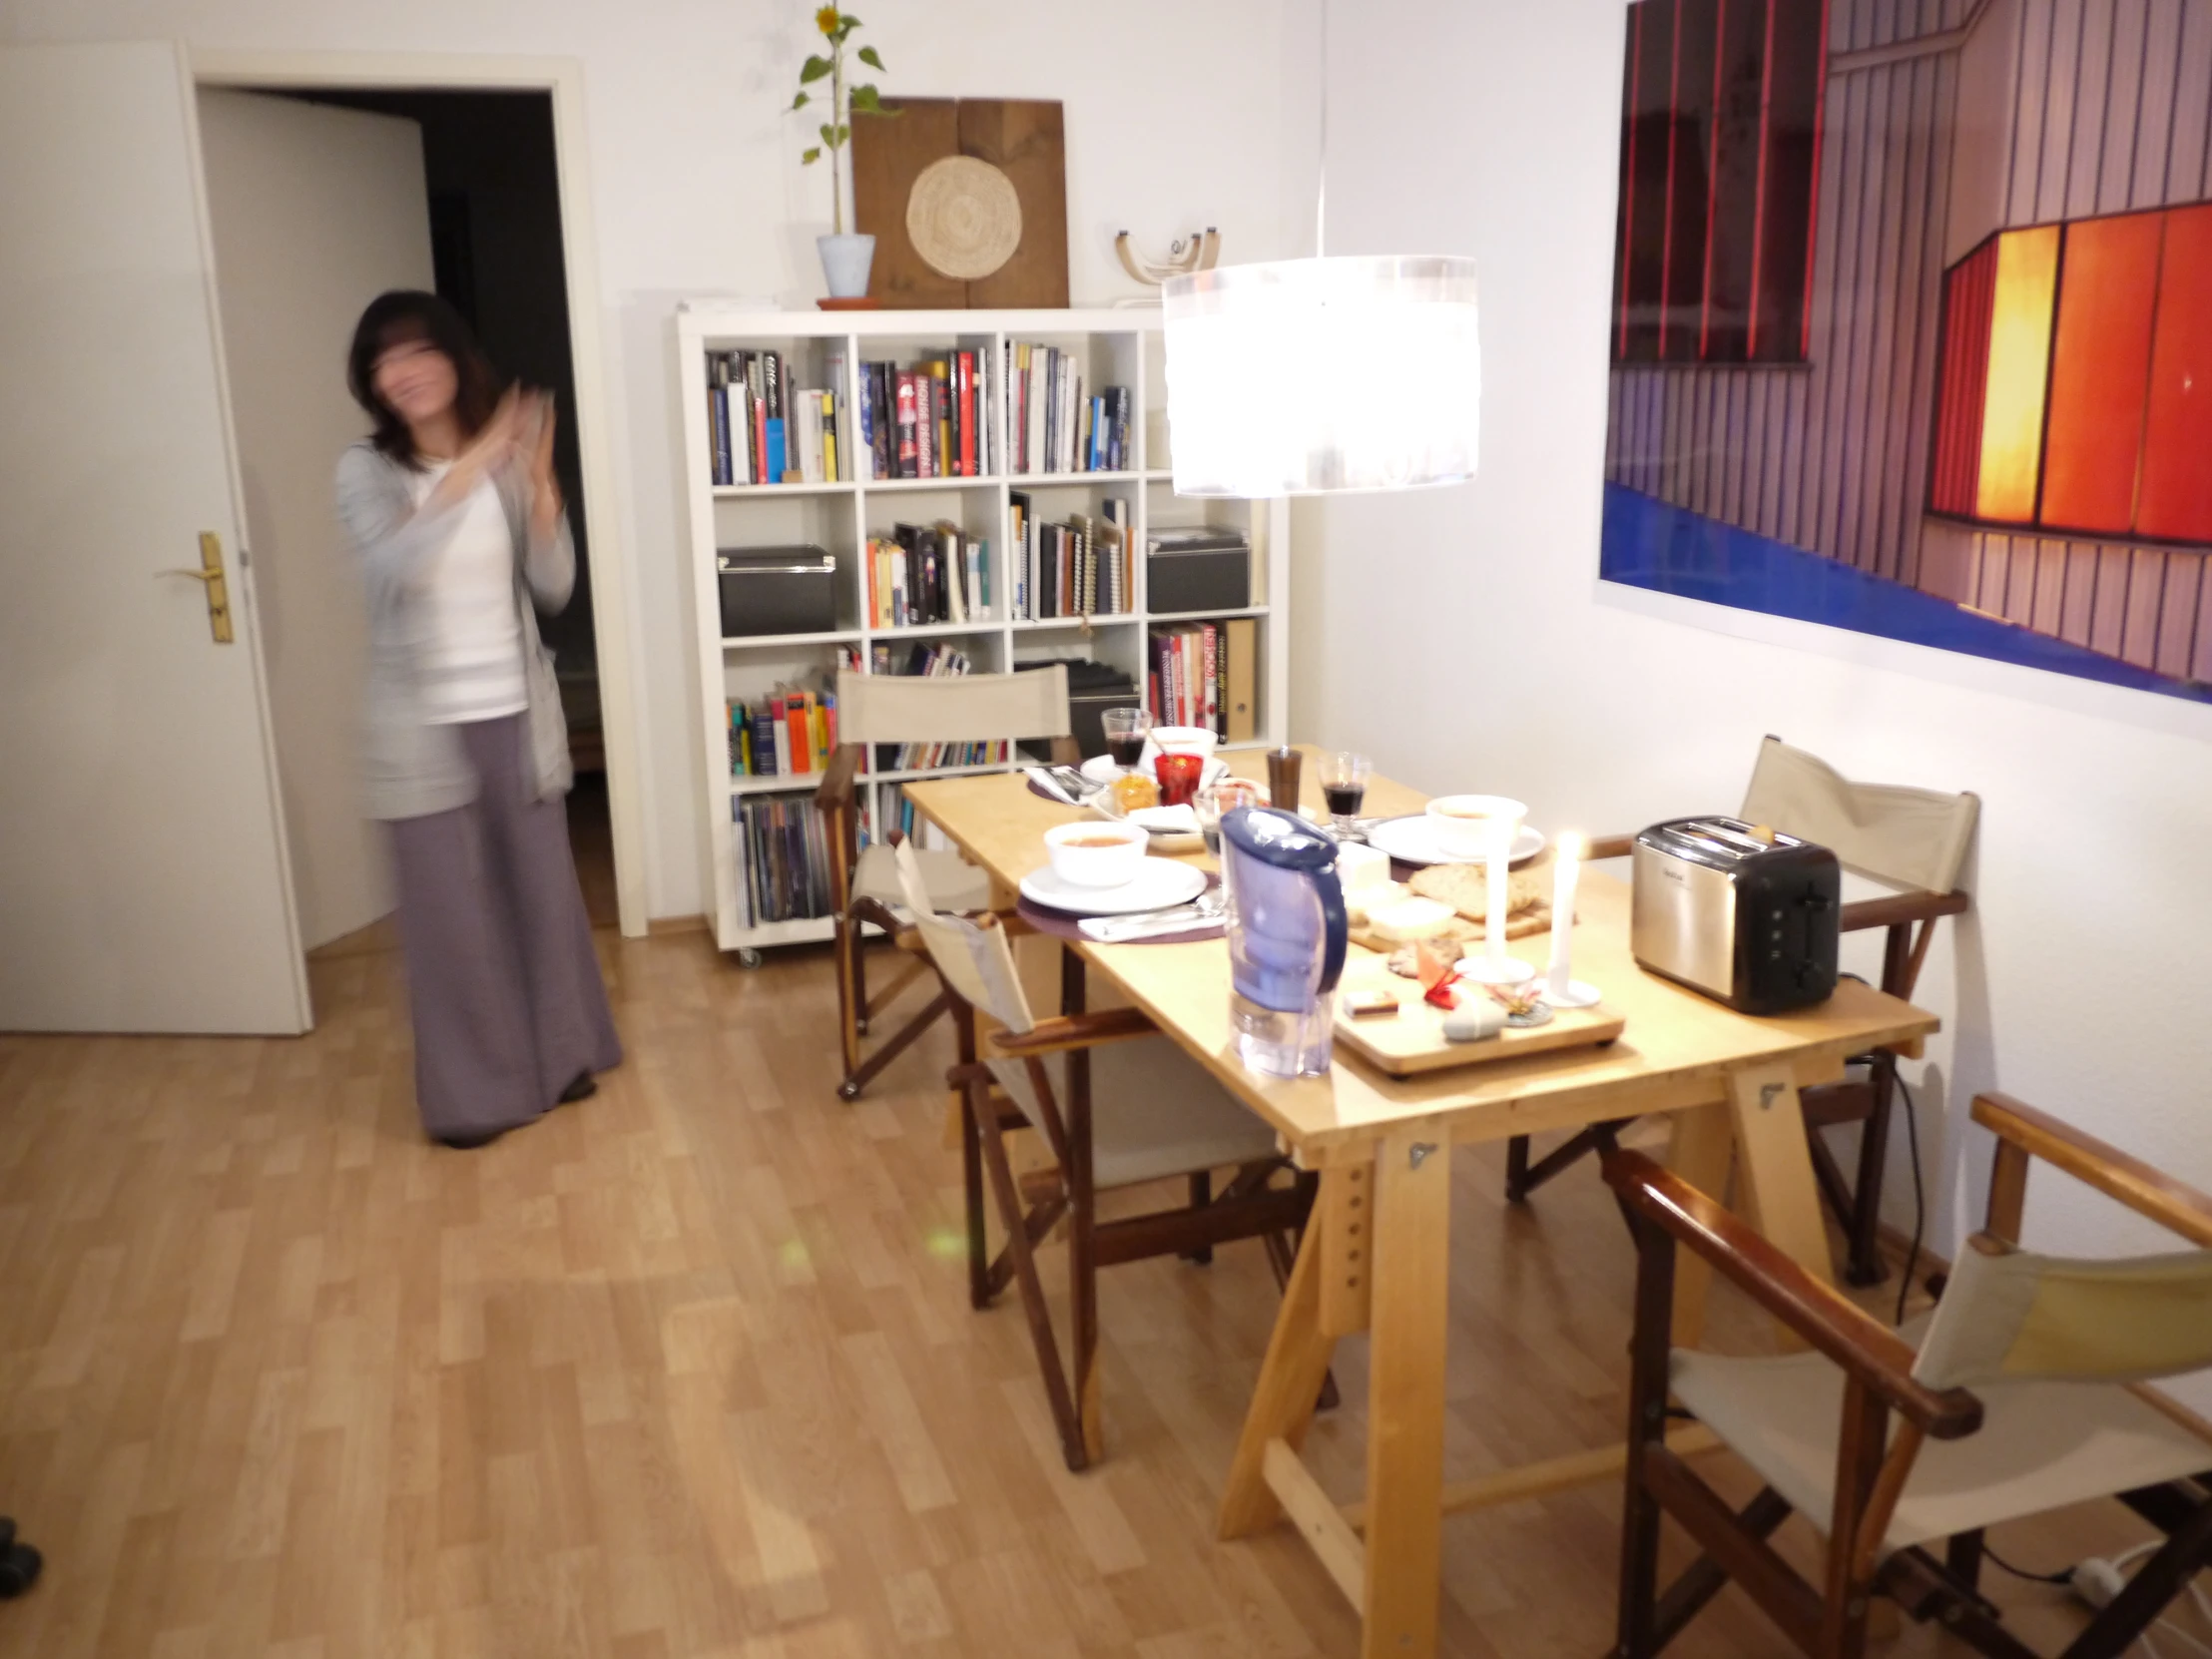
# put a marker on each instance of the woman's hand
(537, 444)
(484, 455)
(543, 484)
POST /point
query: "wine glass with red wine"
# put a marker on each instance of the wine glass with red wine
(1344, 786)
(1126, 731)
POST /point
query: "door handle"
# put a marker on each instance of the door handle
(209, 576)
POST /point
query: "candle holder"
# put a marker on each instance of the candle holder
(1495, 966)
(1561, 988)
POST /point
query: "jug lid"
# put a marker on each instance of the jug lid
(1278, 837)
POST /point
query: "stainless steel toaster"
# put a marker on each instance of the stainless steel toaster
(1738, 911)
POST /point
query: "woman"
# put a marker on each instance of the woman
(452, 506)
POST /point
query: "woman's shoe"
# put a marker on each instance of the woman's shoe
(581, 1087)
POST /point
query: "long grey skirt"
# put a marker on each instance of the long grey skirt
(507, 1000)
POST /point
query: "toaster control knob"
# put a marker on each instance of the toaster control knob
(1815, 902)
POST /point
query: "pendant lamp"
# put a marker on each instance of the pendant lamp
(1307, 377)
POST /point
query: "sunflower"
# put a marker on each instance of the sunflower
(826, 20)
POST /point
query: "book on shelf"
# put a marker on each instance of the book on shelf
(783, 853)
(935, 659)
(791, 732)
(1081, 566)
(931, 419)
(1055, 424)
(1204, 674)
(761, 428)
(921, 575)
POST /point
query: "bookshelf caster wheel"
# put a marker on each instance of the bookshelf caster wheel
(747, 957)
(849, 1091)
(860, 1025)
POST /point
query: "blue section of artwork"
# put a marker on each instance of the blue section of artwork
(1649, 544)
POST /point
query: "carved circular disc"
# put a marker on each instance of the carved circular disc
(964, 218)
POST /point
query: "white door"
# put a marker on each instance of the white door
(314, 212)
(143, 872)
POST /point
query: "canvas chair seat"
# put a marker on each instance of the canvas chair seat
(955, 885)
(1155, 1112)
(2041, 1444)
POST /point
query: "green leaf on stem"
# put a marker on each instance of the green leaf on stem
(864, 100)
(799, 102)
(868, 57)
(810, 157)
(814, 70)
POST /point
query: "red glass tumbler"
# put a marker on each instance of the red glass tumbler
(1178, 776)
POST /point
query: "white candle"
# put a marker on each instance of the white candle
(1496, 880)
(1562, 916)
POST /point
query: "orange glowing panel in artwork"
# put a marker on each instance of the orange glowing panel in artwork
(2100, 368)
(2019, 369)
(2176, 499)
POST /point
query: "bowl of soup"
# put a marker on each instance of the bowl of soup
(1096, 853)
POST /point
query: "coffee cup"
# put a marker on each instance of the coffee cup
(1469, 825)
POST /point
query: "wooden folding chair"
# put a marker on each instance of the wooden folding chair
(903, 709)
(2024, 1393)
(1911, 839)
(1119, 1105)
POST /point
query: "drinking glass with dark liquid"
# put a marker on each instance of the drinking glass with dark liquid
(1344, 786)
(1126, 731)
(1217, 802)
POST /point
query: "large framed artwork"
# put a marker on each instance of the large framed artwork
(1912, 323)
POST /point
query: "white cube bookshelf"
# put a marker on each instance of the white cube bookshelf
(1113, 347)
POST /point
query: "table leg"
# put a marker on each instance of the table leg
(1297, 1358)
(1405, 1394)
(1703, 1145)
(1780, 1197)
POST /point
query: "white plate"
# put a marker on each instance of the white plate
(1158, 883)
(1413, 840)
(1100, 769)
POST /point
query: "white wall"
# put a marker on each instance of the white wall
(1173, 122)
(1473, 617)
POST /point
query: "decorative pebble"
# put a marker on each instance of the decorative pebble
(1474, 1019)
(1540, 1014)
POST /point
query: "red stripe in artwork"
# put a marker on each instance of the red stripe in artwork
(1813, 202)
(1674, 103)
(1628, 176)
(1711, 182)
(1759, 207)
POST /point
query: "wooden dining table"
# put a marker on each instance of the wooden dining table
(1377, 1259)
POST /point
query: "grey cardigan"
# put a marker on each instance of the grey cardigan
(411, 768)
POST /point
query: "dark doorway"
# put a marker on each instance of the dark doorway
(493, 183)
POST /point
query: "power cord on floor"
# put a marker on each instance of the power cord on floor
(2095, 1582)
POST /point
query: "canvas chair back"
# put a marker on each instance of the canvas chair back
(2012, 1315)
(976, 960)
(957, 708)
(1910, 838)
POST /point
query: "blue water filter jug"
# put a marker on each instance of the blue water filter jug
(1287, 940)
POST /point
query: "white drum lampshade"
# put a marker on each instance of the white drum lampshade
(1303, 376)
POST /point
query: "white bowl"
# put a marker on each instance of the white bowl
(1470, 825)
(1096, 853)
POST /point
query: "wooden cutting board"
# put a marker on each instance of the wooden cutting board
(1413, 1040)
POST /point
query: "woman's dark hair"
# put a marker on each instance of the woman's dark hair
(409, 314)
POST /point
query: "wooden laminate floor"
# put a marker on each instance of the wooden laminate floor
(688, 1370)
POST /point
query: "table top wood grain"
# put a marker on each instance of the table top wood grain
(1677, 1050)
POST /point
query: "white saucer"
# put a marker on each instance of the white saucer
(1413, 840)
(1158, 883)
(1100, 769)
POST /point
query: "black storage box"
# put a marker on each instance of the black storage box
(1093, 688)
(1199, 569)
(777, 590)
